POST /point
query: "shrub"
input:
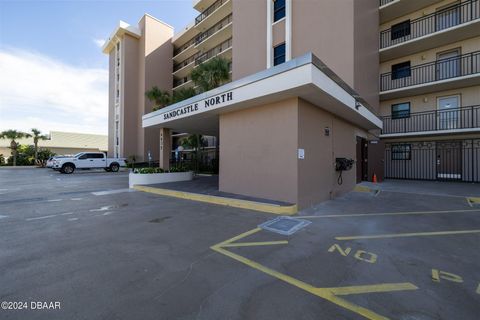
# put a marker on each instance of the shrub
(159, 170)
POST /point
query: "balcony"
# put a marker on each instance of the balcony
(185, 51)
(441, 27)
(444, 74)
(216, 34)
(223, 49)
(219, 10)
(458, 120)
(393, 9)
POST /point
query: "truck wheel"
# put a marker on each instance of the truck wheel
(114, 167)
(68, 168)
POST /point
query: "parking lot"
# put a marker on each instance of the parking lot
(408, 250)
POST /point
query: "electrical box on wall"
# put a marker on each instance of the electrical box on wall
(301, 154)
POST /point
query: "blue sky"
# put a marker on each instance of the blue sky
(51, 48)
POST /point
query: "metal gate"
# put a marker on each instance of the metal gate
(453, 160)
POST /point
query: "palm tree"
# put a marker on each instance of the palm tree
(161, 98)
(37, 136)
(13, 135)
(183, 94)
(211, 74)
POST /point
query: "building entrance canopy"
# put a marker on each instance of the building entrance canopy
(305, 77)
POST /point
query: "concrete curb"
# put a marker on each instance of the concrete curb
(230, 202)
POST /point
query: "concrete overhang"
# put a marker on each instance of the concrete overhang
(122, 29)
(305, 77)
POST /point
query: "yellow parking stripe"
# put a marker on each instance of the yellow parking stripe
(230, 202)
(473, 201)
(404, 235)
(329, 294)
(383, 287)
(387, 214)
(252, 244)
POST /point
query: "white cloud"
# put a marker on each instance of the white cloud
(99, 42)
(37, 91)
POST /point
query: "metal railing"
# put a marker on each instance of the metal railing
(184, 47)
(185, 62)
(209, 11)
(384, 2)
(434, 120)
(462, 65)
(457, 160)
(219, 26)
(214, 52)
(179, 82)
(443, 19)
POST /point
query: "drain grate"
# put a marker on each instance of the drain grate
(284, 225)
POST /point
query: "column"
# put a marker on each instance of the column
(165, 148)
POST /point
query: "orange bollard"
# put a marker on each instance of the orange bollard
(374, 179)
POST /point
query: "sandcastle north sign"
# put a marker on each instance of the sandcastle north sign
(194, 107)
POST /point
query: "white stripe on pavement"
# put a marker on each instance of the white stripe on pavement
(107, 192)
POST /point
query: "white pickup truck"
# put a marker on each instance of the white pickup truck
(88, 160)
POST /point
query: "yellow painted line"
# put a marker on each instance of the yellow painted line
(324, 293)
(237, 203)
(359, 188)
(404, 235)
(387, 214)
(383, 287)
(252, 244)
(473, 201)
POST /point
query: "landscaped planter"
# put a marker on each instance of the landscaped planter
(154, 178)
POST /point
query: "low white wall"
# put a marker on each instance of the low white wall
(154, 178)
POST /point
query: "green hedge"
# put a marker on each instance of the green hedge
(159, 170)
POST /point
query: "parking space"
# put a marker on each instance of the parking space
(105, 252)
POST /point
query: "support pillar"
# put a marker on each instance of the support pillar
(165, 148)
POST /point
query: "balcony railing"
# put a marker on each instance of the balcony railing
(179, 82)
(214, 52)
(209, 11)
(185, 62)
(435, 120)
(462, 65)
(187, 45)
(443, 19)
(219, 26)
(384, 2)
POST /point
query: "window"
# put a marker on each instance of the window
(83, 156)
(401, 110)
(401, 70)
(278, 10)
(400, 30)
(95, 156)
(279, 54)
(402, 152)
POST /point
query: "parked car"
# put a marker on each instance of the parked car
(88, 160)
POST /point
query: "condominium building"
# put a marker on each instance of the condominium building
(394, 86)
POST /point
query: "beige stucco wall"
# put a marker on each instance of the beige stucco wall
(155, 69)
(258, 151)
(249, 37)
(130, 119)
(469, 96)
(111, 102)
(317, 178)
(366, 46)
(465, 46)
